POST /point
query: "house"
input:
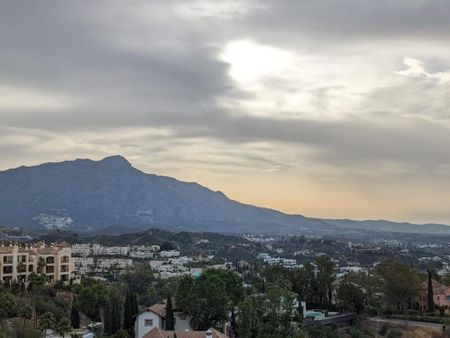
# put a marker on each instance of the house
(158, 333)
(441, 295)
(154, 317)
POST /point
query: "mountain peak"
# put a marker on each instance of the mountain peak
(115, 161)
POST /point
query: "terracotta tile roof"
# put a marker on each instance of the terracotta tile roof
(157, 333)
(160, 308)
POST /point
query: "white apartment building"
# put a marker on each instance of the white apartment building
(113, 263)
(17, 262)
(169, 254)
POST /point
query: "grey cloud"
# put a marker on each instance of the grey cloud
(160, 70)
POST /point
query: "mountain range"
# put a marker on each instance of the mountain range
(111, 195)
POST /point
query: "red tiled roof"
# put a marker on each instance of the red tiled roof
(160, 308)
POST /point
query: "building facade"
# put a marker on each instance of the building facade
(441, 295)
(155, 317)
(17, 262)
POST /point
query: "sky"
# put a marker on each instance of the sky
(336, 109)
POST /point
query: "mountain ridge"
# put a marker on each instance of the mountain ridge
(88, 195)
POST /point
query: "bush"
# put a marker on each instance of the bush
(394, 334)
(383, 330)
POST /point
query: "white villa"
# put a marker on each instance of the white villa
(154, 316)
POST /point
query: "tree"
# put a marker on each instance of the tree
(74, 316)
(138, 278)
(63, 326)
(107, 318)
(91, 298)
(115, 314)
(26, 313)
(325, 278)
(36, 280)
(167, 246)
(400, 284)
(276, 274)
(430, 301)
(46, 322)
(170, 320)
(129, 309)
(205, 299)
(350, 297)
(41, 265)
(268, 315)
(8, 305)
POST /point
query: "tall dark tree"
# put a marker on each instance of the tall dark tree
(107, 315)
(128, 310)
(430, 291)
(134, 304)
(170, 319)
(74, 317)
(115, 315)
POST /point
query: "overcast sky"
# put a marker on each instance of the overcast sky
(324, 108)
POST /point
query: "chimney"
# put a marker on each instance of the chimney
(209, 334)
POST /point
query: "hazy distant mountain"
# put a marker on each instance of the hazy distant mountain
(88, 195)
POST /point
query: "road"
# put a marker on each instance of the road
(406, 322)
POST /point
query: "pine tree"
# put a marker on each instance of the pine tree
(170, 320)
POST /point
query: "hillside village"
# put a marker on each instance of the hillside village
(157, 265)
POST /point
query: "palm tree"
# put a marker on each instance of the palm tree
(47, 321)
(41, 265)
(63, 326)
(26, 313)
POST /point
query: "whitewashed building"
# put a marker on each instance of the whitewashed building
(155, 315)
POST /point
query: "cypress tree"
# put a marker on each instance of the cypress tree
(170, 319)
(430, 292)
(115, 315)
(107, 318)
(134, 306)
(128, 310)
(74, 317)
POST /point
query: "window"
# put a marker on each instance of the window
(7, 259)
(148, 322)
(7, 269)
